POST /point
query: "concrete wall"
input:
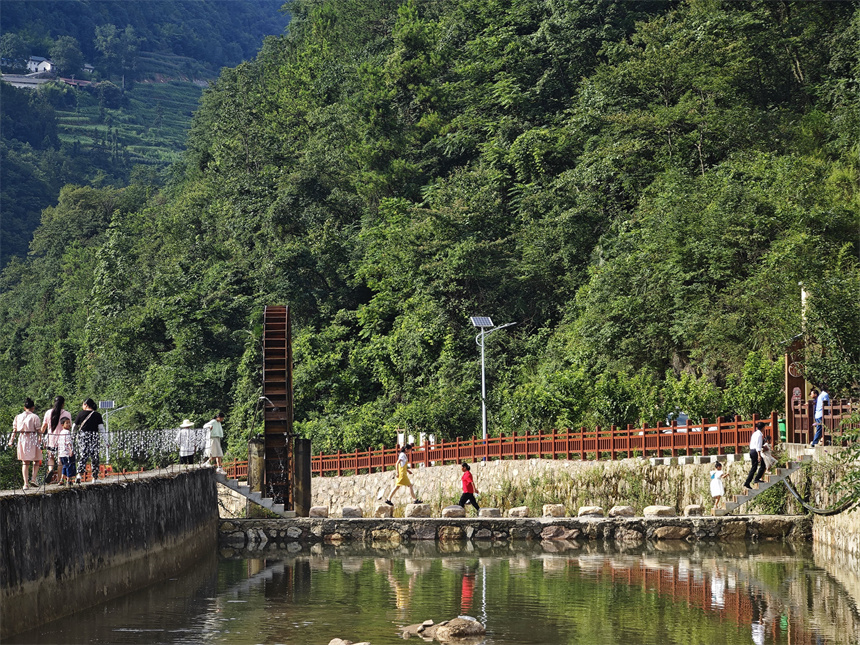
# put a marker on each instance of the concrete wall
(66, 549)
(534, 482)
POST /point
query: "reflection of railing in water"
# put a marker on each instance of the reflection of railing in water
(696, 588)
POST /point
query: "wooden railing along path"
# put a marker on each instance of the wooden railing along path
(720, 436)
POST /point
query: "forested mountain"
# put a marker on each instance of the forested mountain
(103, 131)
(640, 186)
(215, 32)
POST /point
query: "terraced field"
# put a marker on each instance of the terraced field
(150, 128)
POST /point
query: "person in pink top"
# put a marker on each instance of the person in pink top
(469, 490)
(26, 428)
(51, 427)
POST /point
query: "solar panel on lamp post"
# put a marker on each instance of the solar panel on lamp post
(485, 323)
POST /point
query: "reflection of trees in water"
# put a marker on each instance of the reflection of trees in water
(776, 595)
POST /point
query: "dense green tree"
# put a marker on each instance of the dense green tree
(640, 186)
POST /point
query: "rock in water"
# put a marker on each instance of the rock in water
(458, 628)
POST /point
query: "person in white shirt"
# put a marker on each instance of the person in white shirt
(216, 431)
(823, 398)
(756, 445)
(66, 450)
(187, 441)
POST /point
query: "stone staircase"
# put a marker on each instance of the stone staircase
(770, 480)
(254, 496)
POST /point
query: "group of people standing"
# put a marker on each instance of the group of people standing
(186, 438)
(58, 440)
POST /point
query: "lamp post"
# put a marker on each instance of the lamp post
(486, 326)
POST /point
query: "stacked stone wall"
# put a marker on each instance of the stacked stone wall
(535, 482)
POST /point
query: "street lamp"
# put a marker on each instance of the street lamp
(487, 328)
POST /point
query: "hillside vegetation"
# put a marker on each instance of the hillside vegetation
(640, 186)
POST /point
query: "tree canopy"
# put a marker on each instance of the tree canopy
(641, 186)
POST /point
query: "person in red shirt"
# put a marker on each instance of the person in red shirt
(469, 490)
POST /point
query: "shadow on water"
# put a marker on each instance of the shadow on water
(558, 592)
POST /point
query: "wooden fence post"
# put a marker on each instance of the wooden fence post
(339, 470)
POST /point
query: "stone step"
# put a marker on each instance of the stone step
(254, 496)
(770, 480)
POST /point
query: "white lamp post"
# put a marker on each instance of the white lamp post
(487, 328)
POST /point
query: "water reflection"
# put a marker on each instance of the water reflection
(767, 593)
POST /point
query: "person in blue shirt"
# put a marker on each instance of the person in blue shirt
(823, 398)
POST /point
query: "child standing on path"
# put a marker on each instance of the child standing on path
(469, 490)
(66, 449)
(717, 487)
(403, 473)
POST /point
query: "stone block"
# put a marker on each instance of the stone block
(670, 461)
(454, 511)
(733, 458)
(685, 461)
(622, 511)
(702, 459)
(672, 532)
(735, 530)
(656, 461)
(693, 510)
(351, 511)
(294, 532)
(590, 511)
(623, 534)
(450, 533)
(386, 535)
(659, 511)
(383, 510)
(318, 511)
(553, 510)
(519, 511)
(489, 512)
(417, 510)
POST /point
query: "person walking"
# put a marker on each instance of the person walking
(216, 432)
(469, 489)
(187, 440)
(403, 472)
(88, 427)
(823, 398)
(718, 488)
(66, 450)
(26, 426)
(51, 426)
(756, 442)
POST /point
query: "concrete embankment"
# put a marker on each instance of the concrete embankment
(67, 549)
(295, 534)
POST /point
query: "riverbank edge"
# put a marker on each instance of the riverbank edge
(66, 549)
(291, 533)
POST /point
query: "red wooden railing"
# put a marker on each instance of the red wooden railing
(836, 413)
(236, 469)
(592, 444)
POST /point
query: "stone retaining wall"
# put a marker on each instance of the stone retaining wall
(535, 482)
(64, 549)
(295, 534)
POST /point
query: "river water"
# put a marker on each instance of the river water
(558, 593)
